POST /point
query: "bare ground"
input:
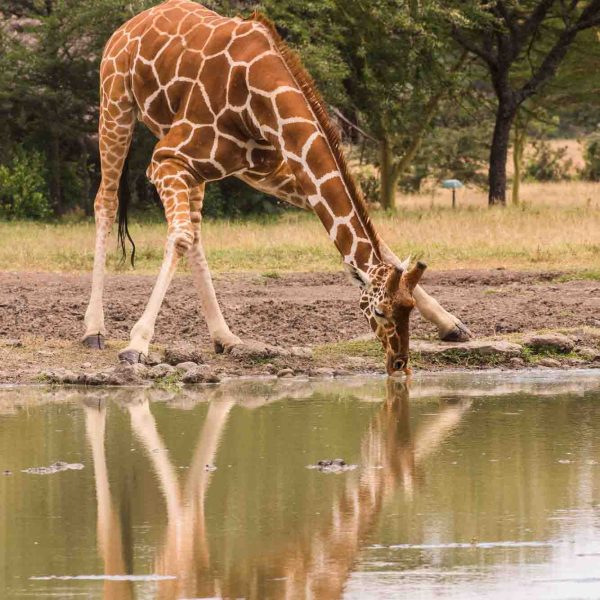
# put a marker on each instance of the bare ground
(41, 315)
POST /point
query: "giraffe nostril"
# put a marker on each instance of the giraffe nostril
(399, 364)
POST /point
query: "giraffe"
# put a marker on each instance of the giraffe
(227, 97)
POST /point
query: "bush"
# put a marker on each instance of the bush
(591, 170)
(231, 198)
(370, 185)
(548, 164)
(23, 189)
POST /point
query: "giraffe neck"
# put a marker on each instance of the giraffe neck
(298, 123)
(356, 240)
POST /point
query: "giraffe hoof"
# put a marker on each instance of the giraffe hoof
(226, 347)
(132, 357)
(95, 342)
(460, 333)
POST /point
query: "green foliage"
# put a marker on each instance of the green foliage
(231, 198)
(23, 190)
(370, 186)
(391, 66)
(315, 31)
(591, 170)
(548, 164)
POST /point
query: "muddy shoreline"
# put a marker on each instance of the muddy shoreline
(41, 321)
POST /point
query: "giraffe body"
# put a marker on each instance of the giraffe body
(225, 97)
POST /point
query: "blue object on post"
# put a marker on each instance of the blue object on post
(452, 184)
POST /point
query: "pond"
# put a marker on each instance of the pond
(465, 486)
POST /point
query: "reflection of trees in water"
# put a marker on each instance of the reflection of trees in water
(318, 559)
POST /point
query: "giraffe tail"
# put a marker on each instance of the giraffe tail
(123, 228)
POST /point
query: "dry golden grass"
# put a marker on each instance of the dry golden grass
(557, 227)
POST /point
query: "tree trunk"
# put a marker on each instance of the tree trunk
(499, 154)
(520, 138)
(88, 201)
(388, 176)
(54, 165)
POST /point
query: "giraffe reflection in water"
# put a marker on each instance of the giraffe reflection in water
(317, 560)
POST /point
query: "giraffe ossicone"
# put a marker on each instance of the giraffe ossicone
(226, 97)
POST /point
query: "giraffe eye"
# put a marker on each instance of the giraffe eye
(378, 313)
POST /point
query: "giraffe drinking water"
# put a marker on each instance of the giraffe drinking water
(226, 97)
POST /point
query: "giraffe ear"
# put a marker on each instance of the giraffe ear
(357, 277)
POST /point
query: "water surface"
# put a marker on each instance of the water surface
(478, 486)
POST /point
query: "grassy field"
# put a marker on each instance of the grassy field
(557, 227)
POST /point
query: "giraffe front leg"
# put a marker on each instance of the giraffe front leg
(95, 331)
(450, 328)
(173, 183)
(222, 337)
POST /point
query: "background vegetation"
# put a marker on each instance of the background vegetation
(423, 90)
(559, 231)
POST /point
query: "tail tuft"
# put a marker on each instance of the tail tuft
(124, 198)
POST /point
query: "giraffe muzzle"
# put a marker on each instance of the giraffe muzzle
(396, 363)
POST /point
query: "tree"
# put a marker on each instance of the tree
(567, 106)
(395, 65)
(402, 70)
(505, 35)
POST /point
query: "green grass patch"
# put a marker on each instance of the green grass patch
(585, 275)
(272, 275)
(168, 382)
(359, 348)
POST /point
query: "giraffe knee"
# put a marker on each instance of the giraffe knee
(181, 234)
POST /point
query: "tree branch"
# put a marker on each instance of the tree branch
(534, 20)
(530, 26)
(588, 18)
(508, 17)
(469, 45)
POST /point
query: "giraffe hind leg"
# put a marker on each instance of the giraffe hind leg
(117, 121)
(450, 328)
(173, 183)
(222, 337)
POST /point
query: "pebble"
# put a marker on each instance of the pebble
(555, 342)
(153, 359)
(285, 373)
(587, 353)
(322, 372)
(186, 366)
(549, 362)
(201, 375)
(86, 365)
(160, 370)
(342, 373)
(182, 353)
(516, 362)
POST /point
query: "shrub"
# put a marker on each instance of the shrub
(370, 185)
(548, 164)
(591, 170)
(231, 198)
(23, 189)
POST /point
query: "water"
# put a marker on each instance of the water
(482, 486)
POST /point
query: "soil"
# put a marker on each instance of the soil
(41, 314)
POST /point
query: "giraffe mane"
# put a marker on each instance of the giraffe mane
(319, 107)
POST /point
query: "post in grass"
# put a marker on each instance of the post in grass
(452, 184)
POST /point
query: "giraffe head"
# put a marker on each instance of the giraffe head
(387, 301)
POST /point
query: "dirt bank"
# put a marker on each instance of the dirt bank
(41, 315)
